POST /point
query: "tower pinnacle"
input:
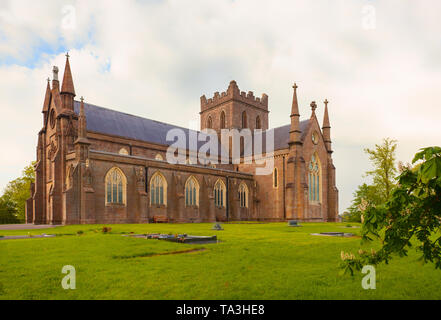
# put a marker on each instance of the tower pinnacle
(82, 121)
(326, 116)
(82, 143)
(313, 106)
(47, 96)
(294, 132)
(67, 86)
(326, 128)
(295, 104)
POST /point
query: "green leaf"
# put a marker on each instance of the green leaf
(430, 169)
(428, 153)
(418, 156)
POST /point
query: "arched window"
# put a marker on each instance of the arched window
(220, 194)
(222, 120)
(123, 151)
(191, 192)
(314, 179)
(243, 195)
(275, 178)
(158, 190)
(244, 120)
(116, 183)
(159, 157)
(258, 124)
(209, 123)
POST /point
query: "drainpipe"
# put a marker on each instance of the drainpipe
(146, 187)
(284, 190)
(227, 206)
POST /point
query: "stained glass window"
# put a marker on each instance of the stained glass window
(219, 194)
(158, 187)
(243, 195)
(191, 192)
(115, 186)
(314, 180)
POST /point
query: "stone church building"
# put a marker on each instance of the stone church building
(97, 165)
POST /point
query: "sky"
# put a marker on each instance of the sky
(377, 62)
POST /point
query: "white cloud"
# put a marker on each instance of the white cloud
(155, 59)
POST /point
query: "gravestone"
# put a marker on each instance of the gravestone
(217, 226)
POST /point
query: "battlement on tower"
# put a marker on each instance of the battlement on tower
(233, 93)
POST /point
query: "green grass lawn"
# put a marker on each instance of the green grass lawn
(252, 261)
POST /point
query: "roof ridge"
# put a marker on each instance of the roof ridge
(288, 125)
(161, 122)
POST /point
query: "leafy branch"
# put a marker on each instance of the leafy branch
(412, 214)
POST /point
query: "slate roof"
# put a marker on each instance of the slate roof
(107, 121)
(281, 135)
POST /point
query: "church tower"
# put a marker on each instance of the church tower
(234, 109)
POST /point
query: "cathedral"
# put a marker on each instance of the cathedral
(97, 165)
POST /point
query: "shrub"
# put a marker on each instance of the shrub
(106, 229)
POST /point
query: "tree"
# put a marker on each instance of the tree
(383, 159)
(18, 191)
(367, 193)
(8, 213)
(411, 216)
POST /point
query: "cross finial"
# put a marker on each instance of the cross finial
(313, 106)
(48, 79)
(67, 55)
(326, 102)
(82, 99)
(295, 86)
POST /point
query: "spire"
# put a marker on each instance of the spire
(68, 86)
(47, 97)
(294, 132)
(326, 116)
(326, 128)
(295, 104)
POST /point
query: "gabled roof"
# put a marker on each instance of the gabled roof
(111, 122)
